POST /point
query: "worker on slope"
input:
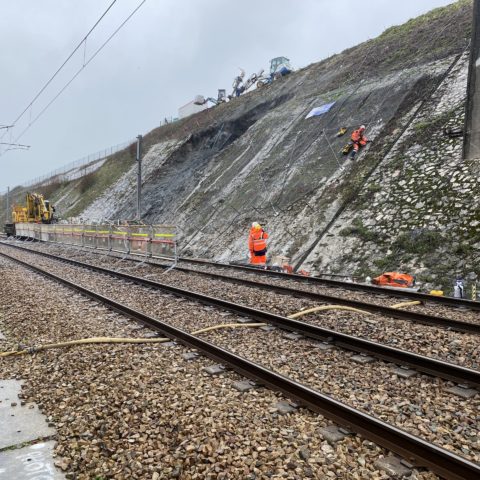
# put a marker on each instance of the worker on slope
(257, 244)
(358, 140)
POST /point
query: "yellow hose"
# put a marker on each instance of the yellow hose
(327, 307)
(406, 304)
(228, 325)
(84, 341)
(106, 340)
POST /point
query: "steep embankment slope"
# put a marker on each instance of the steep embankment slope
(419, 209)
(258, 158)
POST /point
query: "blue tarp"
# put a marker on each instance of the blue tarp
(320, 110)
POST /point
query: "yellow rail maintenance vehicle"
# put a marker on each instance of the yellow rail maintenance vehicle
(37, 210)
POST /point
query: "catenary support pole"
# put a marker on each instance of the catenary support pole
(7, 218)
(139, 176)
(471, 139)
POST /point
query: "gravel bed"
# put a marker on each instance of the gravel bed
(421, 405)
(142, 412)
(437, 342)
(383, 299)
(415, 405)
(379, 299)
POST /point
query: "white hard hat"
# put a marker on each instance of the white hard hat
(255, 224)
(363, 127)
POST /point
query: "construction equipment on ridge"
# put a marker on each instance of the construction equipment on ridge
(279, 67)
(221, 98)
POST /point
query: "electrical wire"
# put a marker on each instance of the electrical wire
(80, 70)
(63, 64)
(14, 144)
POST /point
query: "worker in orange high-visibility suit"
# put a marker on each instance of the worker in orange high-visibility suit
(257, 244)
(358, 140)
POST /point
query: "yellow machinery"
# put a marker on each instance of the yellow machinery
(38, 210)
(19, 214)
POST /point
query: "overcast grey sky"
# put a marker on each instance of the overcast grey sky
(168, 52)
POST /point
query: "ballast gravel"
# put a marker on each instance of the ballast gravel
(142, 412)
(383, 298)
(436, 342)
(343, 374)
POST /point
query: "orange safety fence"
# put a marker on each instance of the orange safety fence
(145, 240)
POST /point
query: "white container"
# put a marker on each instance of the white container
(190, 108)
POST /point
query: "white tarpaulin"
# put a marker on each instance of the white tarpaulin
(320, 110)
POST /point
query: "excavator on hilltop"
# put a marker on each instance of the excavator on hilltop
(279, 67)
(37, 210)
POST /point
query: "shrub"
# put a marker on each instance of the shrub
(86, 182)
(358, 229)
(463, 249)
(374, 187)
(48, 190)
(418, 241)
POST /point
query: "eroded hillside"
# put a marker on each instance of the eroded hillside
(405, 201)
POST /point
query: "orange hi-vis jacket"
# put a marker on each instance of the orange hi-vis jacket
(359, 137)
(257, 242)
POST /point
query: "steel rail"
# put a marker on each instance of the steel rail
(431, 366)
(418, 317)
(424, 297)
(452, 302)
(450, 323)
(416, 450)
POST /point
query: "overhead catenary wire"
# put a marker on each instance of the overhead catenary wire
(49, 81)
(91, 58)
(14, 144)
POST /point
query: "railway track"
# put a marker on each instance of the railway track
(430, 366)
(417, 451)
(424, 297)
(428, 304)
(319, 281)
(396, 313)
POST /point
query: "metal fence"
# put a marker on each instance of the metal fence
(73, 170)
(158, 241)
(79, 167)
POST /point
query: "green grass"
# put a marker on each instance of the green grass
(420, 126)
(424, 130)
(87, 182)
(96, 183)
(387, 263)
(358, 229)
(373, 188)
(414, 24)
(418, 242)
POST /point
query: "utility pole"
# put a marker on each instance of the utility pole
(139, 175)
(471, 131)
(7, 218)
